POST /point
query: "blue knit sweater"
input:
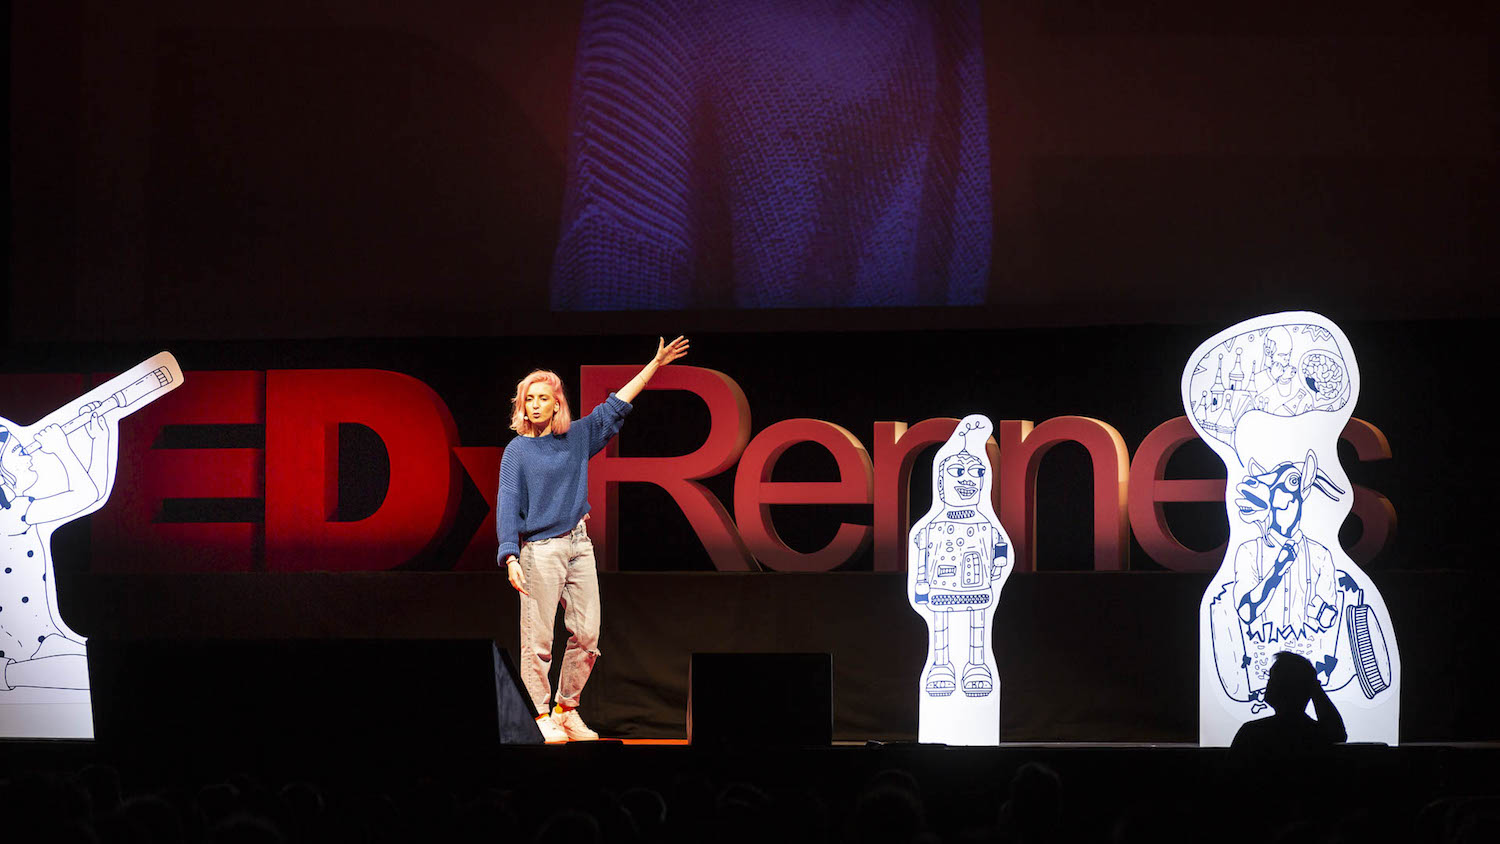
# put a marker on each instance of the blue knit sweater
(544, 481)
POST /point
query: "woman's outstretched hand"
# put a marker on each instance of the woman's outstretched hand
(665, 354)
(668, 352)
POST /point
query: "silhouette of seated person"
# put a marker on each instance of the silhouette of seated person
(1291, 683)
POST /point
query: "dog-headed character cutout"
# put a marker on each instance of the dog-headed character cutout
(52, 472)
(1271, 396)
(957, 562)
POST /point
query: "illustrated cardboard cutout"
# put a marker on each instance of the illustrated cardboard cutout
(959, 559)
(1271, 396)
(52, 472)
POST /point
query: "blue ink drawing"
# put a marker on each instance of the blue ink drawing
(53, 472)
(958, 561)
(1271, 397)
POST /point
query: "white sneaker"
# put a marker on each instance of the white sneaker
(551, 732)
(572, 725)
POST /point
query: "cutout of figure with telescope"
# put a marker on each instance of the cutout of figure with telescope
(1271, 396)
(958, 561)
(52, 472)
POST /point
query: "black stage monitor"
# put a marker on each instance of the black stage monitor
(775, 699)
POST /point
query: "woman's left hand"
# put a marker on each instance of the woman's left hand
(665, 354)
(668, 352)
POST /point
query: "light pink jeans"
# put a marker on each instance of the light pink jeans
(559, 570)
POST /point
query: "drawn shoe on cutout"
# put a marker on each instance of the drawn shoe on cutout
(572, 726)
(551, 732)
(977, 680)
(940, 681)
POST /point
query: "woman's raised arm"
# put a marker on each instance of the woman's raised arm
(665, 354)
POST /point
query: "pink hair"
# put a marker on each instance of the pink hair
(561, 420)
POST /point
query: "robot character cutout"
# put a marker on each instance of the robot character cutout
(52, 472)
(1271, 396)
(958, 560)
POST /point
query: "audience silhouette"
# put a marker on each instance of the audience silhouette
(1365, 794)
(1291, 684)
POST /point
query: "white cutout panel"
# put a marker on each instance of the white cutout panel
(1271, 396)
(51, 472)
(958, 561)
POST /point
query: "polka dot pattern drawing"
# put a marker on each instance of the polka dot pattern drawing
(53, 471)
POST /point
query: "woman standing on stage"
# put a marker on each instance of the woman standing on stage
(539, 515)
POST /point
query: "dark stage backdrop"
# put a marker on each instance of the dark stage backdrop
(1084, 655)
(280, 187)
(1421, 390)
